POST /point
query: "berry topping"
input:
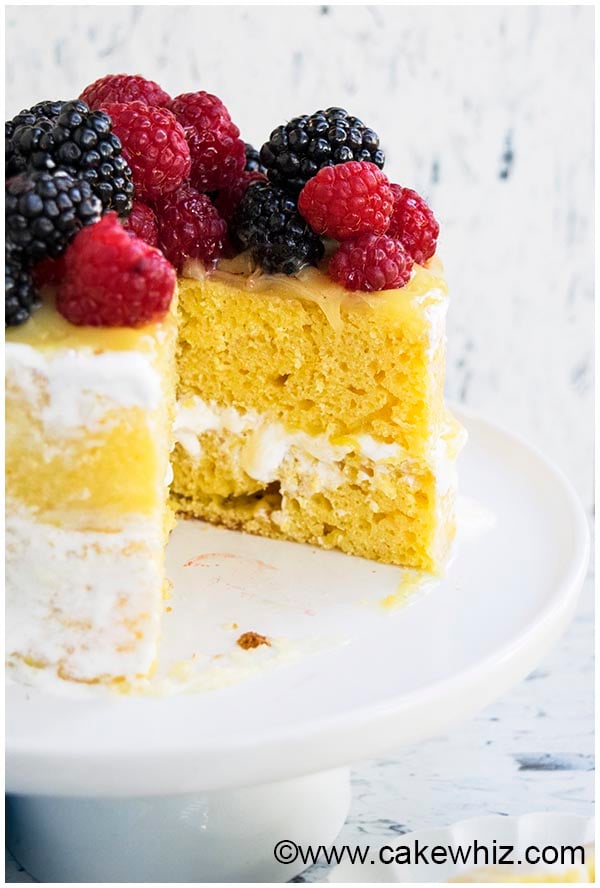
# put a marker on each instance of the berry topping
(154, 145)
(82, 142)
(142, 222)
(114, 279)
(371, 262)
(414, 224)
(297, 151)
(227, 200)
(48, 271)
(124, 88)
(22, 133)
(253, 164)
(20, 294)
(189, 227)
(218, 155)
(268, 223)
(45, 210)
(349, 199)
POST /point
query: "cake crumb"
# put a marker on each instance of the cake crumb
(250, 640)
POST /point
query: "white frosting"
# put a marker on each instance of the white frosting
(75, 388)
(377, 451)
(435, 311)
(436, 317)
(444, 467)
(77, 598)
(266, 445)
(265, 451)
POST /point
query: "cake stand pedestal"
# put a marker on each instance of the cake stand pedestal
(199, 787)
(227, 836)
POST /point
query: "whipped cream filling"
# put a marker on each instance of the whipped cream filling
(73, 389)
(266, 444)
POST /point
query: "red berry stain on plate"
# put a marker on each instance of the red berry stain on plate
(203, 560)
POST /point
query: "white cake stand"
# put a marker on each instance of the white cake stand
(200, 786)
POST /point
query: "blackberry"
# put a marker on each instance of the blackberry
(297, 151)
(20, 295)
(253, 164)
(268, 223)
(22, 134)
(44, 210)
(79, 141)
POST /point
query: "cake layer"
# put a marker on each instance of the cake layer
(88, 434)
(316, 357)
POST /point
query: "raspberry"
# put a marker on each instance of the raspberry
(189, 226)
(371, 262)
(218, 154)
(345, 200)
(228, 199)
(44, 211)
(114, 279)
(124, 88)
(414, 224)
(154, 145)
(267, 222)
(142, 222)
(297, 151)
(48, 271)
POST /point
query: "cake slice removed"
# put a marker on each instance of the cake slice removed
(88, 433)
(314, 414)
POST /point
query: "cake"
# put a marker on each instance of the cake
(289, 383)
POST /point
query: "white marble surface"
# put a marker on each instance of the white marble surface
(489, 112)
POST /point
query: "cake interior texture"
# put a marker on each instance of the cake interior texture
(289, 408)
(321, 426)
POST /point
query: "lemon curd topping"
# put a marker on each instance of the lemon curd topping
(314, 285)
(47, 329)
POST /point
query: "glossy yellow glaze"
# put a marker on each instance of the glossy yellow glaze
(48, 330)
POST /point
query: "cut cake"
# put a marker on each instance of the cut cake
(294, 389)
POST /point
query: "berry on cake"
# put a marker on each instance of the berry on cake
(197, 327)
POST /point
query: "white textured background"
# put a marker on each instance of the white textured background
(489, 113)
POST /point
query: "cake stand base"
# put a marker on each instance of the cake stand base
(226, 836)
